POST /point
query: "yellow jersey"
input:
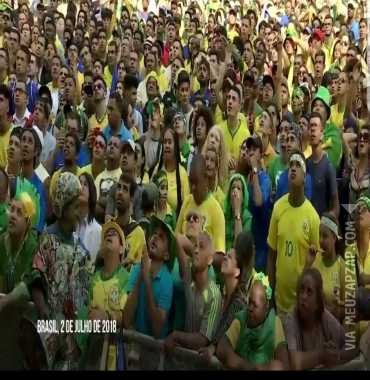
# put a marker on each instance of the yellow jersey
(135, 242)
(4, 142)
(95, 123)
(336, 116)
(172, 186)
(292, 231)
(214, 223)
(234, 139)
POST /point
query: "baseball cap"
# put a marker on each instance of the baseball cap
(267, 79)
(112, 225)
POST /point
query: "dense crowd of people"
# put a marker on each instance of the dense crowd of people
(179, 168)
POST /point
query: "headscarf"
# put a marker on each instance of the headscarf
(67, 188)
(246, 216)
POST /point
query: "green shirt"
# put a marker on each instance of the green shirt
(3, 217)
(333, 143)
(275, 169)
(15, 264)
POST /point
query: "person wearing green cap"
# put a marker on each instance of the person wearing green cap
(150, 284)
(332, 143)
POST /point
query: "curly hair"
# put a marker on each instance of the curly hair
(223, 158)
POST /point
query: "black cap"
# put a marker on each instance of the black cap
(254, 141)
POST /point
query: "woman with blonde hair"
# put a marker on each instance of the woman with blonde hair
(216, 140)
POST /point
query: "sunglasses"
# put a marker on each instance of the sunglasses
(99, 144)
(98, 87)
(193, 218)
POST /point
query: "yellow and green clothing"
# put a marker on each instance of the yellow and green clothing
(4, 142)
(172, 186)
(234, 139)
(256, 345)
(214, 219)
(95, 123)
(292, 231)
(109, 293)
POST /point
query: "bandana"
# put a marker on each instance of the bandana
(365, 201)
(264, 280)
(333, 227)
(67, 188)
(298, 158)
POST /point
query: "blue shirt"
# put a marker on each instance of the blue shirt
(162, 288)
(124, 134)
(282, 187)
(83, 158)
(261, 219)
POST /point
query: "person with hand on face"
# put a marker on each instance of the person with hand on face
(237, 215)
(324, 184)
(60, 278)
(151, 286)
(237, 273)
(202, 295)
(315, 338)
(233, 130)
(294, 227)
(202, 201)
(255, 339)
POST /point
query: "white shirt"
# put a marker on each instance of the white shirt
(42, 173)
(90, 236)
(21, 121)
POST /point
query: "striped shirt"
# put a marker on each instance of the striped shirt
(202, 309)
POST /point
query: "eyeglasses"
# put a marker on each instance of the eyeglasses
(97, 86)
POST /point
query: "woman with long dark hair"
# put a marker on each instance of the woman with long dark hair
(170, 163)
(315, 338)
(202, 123)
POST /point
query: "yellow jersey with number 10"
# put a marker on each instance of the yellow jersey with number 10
(292, 231)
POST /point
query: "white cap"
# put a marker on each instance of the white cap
(39, 134)
(130, 143)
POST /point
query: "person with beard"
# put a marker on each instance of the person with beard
(324, 188)
(151, 285)
(202, 72)
(124, 194)
(294, 228)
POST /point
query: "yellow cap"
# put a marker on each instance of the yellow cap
(113, 225)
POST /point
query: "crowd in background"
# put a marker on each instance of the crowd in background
(188, 170)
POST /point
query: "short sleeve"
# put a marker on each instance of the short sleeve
(272, 235)
(133, 278)
(166, 293)
(279, 333)
(233, 333)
